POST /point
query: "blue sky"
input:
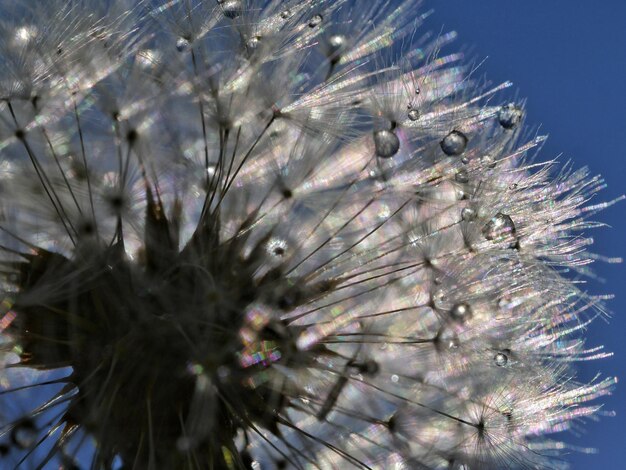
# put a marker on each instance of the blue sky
(568, 58)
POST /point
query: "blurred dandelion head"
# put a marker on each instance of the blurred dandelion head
(277, 234)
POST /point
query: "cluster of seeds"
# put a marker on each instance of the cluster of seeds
(277, 234)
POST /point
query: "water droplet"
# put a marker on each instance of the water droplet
(510, 116)
(146, 59)
(254, 41)
(454, 143)
(24, 434)
(277, 248)
(501, 359)
(182, 44)
(395, 378)
(335, 43)
(232, 8)
(500, 229)
(461, 312)
(413, 114)
(461, 176)
(452, 342)
(488, 161)
(417, 90)
(315, 21)
(468, 214)
(387, 143)
(285, 14)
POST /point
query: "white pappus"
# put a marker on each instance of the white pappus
(240, 234)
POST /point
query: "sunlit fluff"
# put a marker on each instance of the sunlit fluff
(278, 234)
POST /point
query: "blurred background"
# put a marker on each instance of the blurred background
(568, 58)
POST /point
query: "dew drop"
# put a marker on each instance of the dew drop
(24, 434)
(454, 143)
(277, 248)
(387, 143)
(510, 116)
(501, 359)
(232, 8)
(285, 14)
(500, 229)
(461, 312)
(413, 114)
(468, 214)
(253, 42)
(335, 43)
(182, 44)
(315, 21)
(461, 176)
(488, 161)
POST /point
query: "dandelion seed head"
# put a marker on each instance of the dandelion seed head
(255, 235)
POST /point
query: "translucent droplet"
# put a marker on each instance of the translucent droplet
(510, 116)
(253, 42)
(277, 248)
(315, 21)
(447, 339)
(461, 312)
(501, 359)
(413, 114)
(232, 8)
(285, 14)
(335, 43)
(387, 143)
(500, 229)
(454, 143)
(24, 434)
(148, 58)
(488, 161)
(461, 176)
(468, 214)
(182, 44)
